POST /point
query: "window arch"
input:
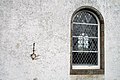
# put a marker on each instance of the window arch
(87, 41)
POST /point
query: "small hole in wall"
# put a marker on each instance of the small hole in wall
(35, 79)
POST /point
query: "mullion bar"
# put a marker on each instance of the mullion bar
(84, 23)
(84, 51)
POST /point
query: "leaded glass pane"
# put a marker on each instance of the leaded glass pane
(85, 44)
(85, 17)
(85, 39)
(85, 58)
(90, 30)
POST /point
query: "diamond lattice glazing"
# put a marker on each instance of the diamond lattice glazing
(85, 39)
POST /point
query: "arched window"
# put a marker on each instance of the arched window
(87, 42)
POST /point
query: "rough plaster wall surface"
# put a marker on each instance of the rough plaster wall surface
(47, 23)
(112, 36)
(23, 22)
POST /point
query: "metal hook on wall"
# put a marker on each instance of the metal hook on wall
(33, 55)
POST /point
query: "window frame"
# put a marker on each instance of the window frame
(101, 43)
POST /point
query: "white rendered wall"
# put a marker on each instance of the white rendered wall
(47, 23)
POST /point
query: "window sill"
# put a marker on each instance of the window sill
(87, 71)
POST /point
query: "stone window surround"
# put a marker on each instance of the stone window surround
(90, 71)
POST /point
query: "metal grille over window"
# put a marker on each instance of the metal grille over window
(85, 34)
